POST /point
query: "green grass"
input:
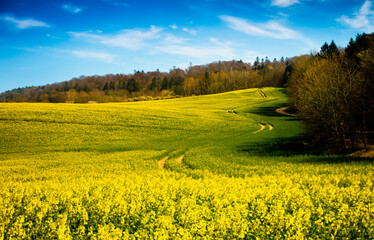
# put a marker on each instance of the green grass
(91, 171)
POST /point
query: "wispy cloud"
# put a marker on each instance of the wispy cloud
(52, 36)
(270, 29)
(23, 24)
(207, 53)
(214, 40)
(190, 31)
(171, 39)
(283, 3)
(71, 8)
(102, 56)
(363, 19)
(131, 39)
(282, 14)
(31, 49)
(173, 26)
(117, 3)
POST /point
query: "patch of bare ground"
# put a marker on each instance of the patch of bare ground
(180, 159)
(283, 110)
(369, 153)
(161, 163)
(231, 111)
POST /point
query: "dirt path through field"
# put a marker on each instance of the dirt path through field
(161, 163)
(262, 128)
(180, 159)
(363, 153)
(282, 110)
(261, 93)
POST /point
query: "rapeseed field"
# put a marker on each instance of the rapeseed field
(232, 168)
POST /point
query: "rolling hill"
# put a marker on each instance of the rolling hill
(204, 167)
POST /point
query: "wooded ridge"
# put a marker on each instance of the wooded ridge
(216, 77)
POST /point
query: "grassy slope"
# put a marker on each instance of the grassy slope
(73, 170)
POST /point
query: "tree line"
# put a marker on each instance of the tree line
(333, 92)
(212, 78)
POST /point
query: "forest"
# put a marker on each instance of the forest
(333, 92)
(212, 78)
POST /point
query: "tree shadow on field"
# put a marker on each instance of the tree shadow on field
(281, 147)
(270, 111)
(267, 111)
(297, 149)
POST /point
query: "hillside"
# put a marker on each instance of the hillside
(232, 168)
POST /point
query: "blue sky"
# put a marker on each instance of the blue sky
(45, 41)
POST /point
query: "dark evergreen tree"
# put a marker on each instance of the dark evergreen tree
(153, 85)
(324, 48)
(355, 46)
(333, 48)
(327, 51)
(165, 84)
(257, 62)
(132, 85)
(106, 86)
(66, 87)
(112, 86)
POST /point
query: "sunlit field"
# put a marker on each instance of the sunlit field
(232, 168)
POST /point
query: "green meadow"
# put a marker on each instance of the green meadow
(232, 168)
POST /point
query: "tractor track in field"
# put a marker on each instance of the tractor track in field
(282, 110)
(180, 159)
(262, 127)
(161, 163)
(261, 93)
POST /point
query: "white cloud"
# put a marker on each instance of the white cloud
(213, 40)
(71, 8)
(270, 29)
(190, 31)
(206, 52)
(200, 52)
(131, 39)
(27, 23)
(52, 36)
(173, 26)
(283, 3)
(220, 43)
(282, 14)
(105, 57)
(363, 19)
(171, 39)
